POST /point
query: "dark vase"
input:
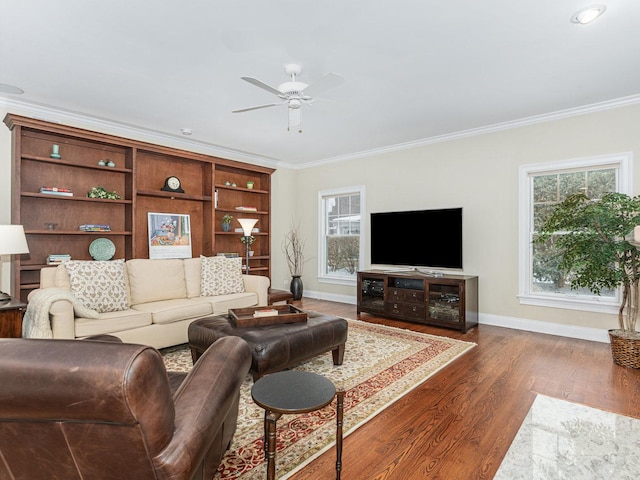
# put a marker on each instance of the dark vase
(226, 226)
(296, 287)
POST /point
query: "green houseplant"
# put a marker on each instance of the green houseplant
(593, 240)
(226, 222)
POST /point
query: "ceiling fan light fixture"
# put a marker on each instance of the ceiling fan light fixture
(588, 14)
(294, 104)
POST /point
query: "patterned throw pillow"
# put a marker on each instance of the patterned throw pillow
(99, 285)
(221, 276)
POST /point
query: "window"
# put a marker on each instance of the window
(340, 245)
(541, 188)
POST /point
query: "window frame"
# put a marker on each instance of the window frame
(323, 276)
(623, 163)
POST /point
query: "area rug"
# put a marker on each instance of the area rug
(381, 364)
(563, 440)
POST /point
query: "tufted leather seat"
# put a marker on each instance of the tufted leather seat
(275, 347)
(86, 410)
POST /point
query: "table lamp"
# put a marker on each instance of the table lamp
(12, 242)
(247, 228)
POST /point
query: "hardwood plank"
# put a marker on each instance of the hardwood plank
(460, 423)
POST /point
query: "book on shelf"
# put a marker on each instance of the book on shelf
(58, 192)
(58, 258)
(54, 189)
(95, 228)
(246, 209)
(253, 230)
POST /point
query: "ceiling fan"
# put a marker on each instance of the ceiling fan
(294, 93)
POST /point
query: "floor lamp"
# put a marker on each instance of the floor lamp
(12, 242)
(247, 228)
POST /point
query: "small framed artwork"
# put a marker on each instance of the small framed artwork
(169, 235)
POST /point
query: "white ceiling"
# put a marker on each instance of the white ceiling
(414, 70)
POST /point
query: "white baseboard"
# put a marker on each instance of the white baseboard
(571, 331)
(331, 297)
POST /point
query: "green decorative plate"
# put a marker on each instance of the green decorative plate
(102, 249)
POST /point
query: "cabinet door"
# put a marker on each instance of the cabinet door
(371, 294)
(444, 303)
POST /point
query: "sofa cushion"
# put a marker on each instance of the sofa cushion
(192, 276)
(111, 322)
(221, 276)
(62, 279)
(99, 285)
(157, 279)
(169, 311)
(222, 303)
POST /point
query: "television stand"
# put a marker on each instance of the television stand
(446, 301)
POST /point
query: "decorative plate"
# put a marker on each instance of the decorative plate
(102, 249)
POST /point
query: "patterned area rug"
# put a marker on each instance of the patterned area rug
(381, 364)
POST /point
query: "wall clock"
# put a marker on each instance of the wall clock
(173, 184)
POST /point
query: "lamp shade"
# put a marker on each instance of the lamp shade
(247, 225)
(12, 240)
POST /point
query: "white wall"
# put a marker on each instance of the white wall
(479, 174)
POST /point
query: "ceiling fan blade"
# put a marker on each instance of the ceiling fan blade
(256, 108)
(262, 85)
(325, 83)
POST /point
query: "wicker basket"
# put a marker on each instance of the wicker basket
(625, 349)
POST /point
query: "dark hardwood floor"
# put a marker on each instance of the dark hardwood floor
(459, 424)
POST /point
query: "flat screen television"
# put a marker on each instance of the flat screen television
(440, 245)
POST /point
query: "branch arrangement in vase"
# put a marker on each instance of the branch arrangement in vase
(293, 248)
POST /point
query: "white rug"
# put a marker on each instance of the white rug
(563, 440)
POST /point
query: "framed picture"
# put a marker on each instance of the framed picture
(169, 235)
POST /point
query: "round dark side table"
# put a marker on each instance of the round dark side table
(294, 392)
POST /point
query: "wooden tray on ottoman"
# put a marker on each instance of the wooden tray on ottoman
(244, 317)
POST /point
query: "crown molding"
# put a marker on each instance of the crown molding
(65, 117)
(497, 127)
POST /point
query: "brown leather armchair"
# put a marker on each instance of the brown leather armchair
(87, 410)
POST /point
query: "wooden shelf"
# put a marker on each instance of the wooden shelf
(76, 198)
(173, 195)
(74, 232)
(56, 161)
(140, 171)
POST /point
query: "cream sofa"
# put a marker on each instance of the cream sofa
(164, 297)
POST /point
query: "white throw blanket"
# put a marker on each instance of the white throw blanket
(35, 323)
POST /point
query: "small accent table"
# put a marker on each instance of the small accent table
(295, 392)
(11, 313)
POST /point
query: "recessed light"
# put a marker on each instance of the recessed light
(589, 14)
(186, 131)
(6, 88)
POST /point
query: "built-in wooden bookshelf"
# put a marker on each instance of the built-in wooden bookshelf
(138, 175)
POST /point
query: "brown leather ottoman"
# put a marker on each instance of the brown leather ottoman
(275, 347)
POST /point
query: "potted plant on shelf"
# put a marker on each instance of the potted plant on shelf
(293, 248)
(226, 222)
(593, 241)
